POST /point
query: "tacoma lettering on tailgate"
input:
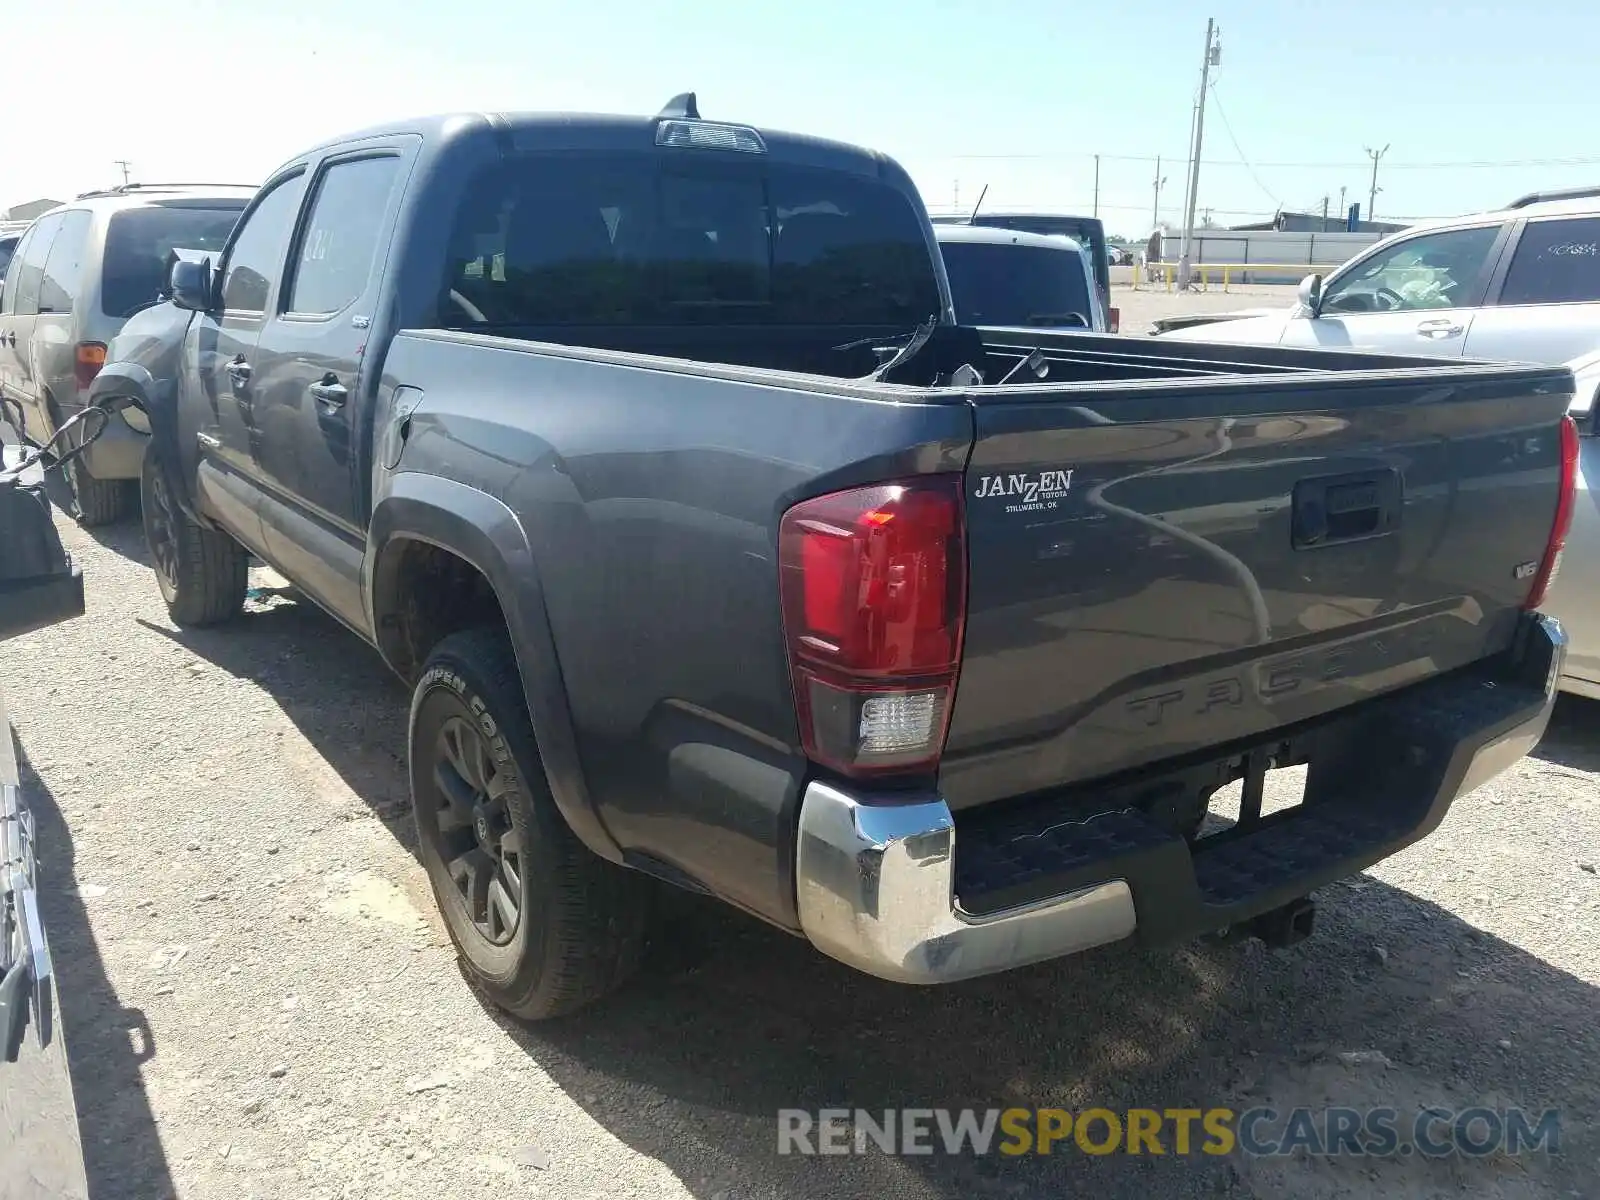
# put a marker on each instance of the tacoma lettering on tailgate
(1273, 678)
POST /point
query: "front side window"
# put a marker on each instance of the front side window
(260, 247)
(660, 239)
(996, 283)
(1435, 270)
(1557, 262)
(140, 241)
(63, 269)
(340, 243)
(29, 267)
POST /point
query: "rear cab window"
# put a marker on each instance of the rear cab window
(139, 241)
(996, 283)
(642, 238)
(1089, 232)
(1556, 262)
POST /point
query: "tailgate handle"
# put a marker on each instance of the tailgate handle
(1345, 508)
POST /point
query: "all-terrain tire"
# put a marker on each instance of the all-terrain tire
(202, 572)
(581, 920)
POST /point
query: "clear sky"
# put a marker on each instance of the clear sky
(1017, 94)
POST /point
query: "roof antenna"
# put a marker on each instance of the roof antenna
(682, 106)
(973, 219)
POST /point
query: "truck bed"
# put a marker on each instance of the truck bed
(1139, 587)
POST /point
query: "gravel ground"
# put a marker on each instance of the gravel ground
(1141, 306)
(259, 1000)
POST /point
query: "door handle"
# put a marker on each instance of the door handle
(330, 391)
(10, 338)
(239, 371)
(1438, 328)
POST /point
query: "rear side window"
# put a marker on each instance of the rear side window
(7, 249)
(63, 269)
(27, 273)
(996, 284)
(139, 241)
(1557, 262)
(663, 239)
(340, 242)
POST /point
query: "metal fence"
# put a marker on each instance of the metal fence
(1229, 256)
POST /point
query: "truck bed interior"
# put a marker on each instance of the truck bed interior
(999, 356)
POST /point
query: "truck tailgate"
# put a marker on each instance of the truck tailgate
(1198, 563)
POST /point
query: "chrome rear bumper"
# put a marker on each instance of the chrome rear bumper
(875, 873)
(877, 891)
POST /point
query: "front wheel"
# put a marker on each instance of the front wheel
(542, 925)
(202, 572)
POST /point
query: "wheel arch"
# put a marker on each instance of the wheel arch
(432, 538)
(157, 399)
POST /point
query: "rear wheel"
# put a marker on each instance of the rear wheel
(201, 572)
(542, 925)
(97, 501)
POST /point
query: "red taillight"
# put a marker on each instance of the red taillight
(1116, 320)
(874, 607)
(1565, 502)
(91, 357)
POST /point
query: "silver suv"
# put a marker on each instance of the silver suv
(1521, 284)
(79, 272)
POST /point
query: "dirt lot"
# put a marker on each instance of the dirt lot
(260, 1002)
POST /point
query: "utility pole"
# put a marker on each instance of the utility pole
(1344, 208)
(124, 164)
(1096, 185)
(1372, 197)
(1325, 214)
(1213, 56)
(1155, 208)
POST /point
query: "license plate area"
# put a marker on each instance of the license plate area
(1269, 781)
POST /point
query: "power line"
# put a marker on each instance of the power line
(1054, 206)
(1477, 164)
(1228, 129)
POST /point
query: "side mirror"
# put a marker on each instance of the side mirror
(191, 284)
(1311, 295)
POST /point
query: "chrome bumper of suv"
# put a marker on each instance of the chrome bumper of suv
(876, 873)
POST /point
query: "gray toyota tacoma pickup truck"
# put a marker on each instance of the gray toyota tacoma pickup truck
(649, 453)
